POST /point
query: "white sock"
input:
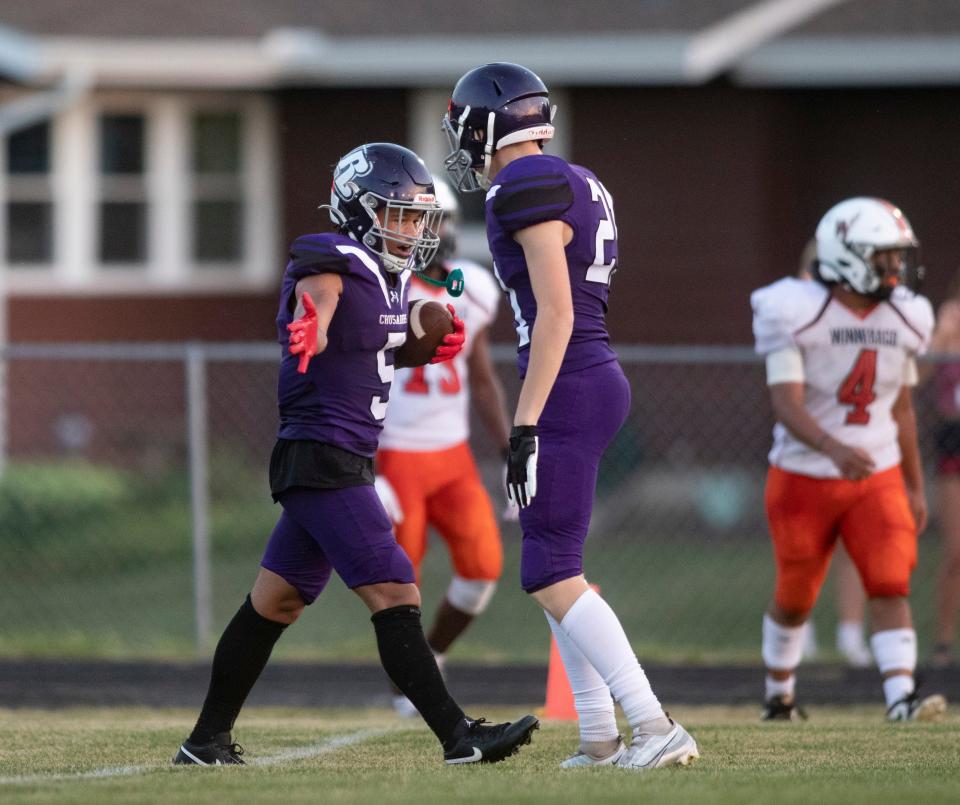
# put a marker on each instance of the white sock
(894, 650)
(782, 645)
(591, 696)
(850, 637)
(897, 687)
(594, 629)
(780, 687)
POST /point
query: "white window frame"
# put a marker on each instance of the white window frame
(169, 266)
(426, 138)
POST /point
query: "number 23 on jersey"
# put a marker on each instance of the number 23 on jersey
(601, 271)
(419, 384)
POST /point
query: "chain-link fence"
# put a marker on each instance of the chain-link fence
(134, 508)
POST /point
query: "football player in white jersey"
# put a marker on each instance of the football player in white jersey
(850, 598)
(426, 473)
(841, 365)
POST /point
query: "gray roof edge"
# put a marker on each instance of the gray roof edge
(302, 57)
(598, 59)
(853, 61)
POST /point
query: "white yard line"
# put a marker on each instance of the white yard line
(315, 750)
(288, 755)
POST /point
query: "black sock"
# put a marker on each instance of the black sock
(411, 666)
(241, 654)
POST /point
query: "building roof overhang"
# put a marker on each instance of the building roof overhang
(762, 43)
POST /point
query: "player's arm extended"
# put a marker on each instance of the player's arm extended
(789, 409)
(486, 390)
(906, 419)
(324, 290)
(542, 246)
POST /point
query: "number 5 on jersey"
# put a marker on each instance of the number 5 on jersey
(378, 405)
(857, 389)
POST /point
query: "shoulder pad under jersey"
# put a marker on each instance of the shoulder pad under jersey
(318, 254)
(530, 191)
(917, 311)
(783, 308)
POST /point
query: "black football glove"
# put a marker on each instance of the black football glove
(522, 465)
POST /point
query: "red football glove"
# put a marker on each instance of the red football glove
(303, 334)
(453, 342)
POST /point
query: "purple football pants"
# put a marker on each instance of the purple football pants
(345, 530)
(583, 413)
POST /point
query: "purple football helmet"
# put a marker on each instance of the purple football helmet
(376, 189)
(492, 106)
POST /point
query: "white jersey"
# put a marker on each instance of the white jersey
(430, 405)
(854, 366)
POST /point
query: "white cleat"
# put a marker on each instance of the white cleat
(648, 751)
(913, 708)
(582, 760)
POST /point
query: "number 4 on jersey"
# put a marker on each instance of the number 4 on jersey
(857, 389)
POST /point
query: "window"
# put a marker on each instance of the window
(217, 214)
(129, 191)
(29, 205)
(29, 232)
(28, 151)
(123, 207)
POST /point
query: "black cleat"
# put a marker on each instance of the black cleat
(221, 751)
(490, 743)
(776, 708)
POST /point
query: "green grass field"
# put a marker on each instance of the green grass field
(839, 756)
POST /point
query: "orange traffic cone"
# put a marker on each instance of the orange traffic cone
(559, 703)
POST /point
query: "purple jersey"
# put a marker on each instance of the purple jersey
(539, 188)
(342, 398)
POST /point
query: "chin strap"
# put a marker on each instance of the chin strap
(453, 283)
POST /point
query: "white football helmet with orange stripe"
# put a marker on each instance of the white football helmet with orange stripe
(849, 238)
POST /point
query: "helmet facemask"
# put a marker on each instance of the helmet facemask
(874, 271)
(894, 267)
(459, 163)
(405, 233)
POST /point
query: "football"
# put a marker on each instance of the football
(427, 323)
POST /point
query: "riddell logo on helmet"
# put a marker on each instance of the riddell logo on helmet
(544, 132)
(424, 198)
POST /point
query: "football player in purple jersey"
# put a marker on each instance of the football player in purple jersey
(553, 237)
(342, 316)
